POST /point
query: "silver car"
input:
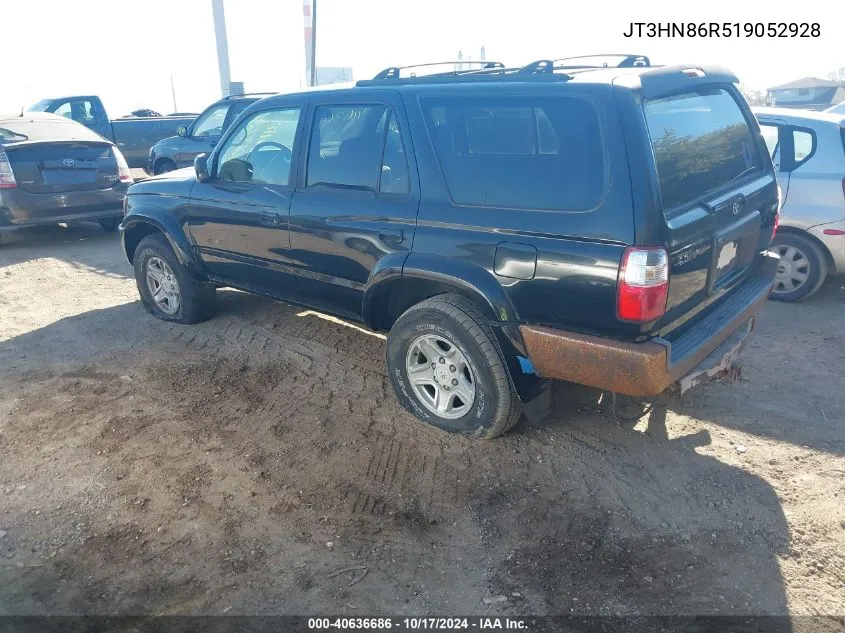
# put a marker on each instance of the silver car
(808, 151)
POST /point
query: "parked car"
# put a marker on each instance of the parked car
(608, 227)
(839, 108)
(55, 170)
(808, 150)
(133, 135)
(199, 137)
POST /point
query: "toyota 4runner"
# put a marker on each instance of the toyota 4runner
(603, 224)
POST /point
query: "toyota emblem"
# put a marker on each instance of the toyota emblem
(68, 162)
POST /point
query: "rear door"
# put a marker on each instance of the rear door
(357, 201)
(718, 192)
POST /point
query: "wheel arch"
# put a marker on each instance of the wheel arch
(394, 286)
(823, 249)
(162, 159)
(148, 220)
(398, 284)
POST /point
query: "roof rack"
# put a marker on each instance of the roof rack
(623, 60)
(394, 72)
(489, 71)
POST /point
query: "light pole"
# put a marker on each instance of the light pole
(222, 46)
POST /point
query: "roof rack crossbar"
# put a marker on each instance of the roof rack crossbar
(626, 60)
(394, 72)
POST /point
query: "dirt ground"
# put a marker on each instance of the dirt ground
(237, 466)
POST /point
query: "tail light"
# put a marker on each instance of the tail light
(643, 284)
(123, 172)
(776, 221)
(7, 176)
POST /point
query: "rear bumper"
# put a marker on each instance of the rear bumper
(20, 208)
(649, 368)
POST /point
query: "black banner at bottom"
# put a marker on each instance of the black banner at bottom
(408, 624)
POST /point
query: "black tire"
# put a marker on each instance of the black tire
(496, 407)
(801, 254)
(110, 224)
(196, 298)
(163, 166)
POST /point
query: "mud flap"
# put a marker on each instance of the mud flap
(534, 392)
(723, 362)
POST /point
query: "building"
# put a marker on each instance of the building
(809, 93)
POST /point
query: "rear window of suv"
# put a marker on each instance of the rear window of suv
(529, 152)
(701, 143)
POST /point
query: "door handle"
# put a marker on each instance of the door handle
(270, 219)
(391, 236)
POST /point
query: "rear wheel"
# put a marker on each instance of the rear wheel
(167, 290)
(446, 369)
(801, 270)
(164, 166)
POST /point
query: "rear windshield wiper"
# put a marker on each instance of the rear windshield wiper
(742, 174)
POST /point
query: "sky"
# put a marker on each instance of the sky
(127, 51)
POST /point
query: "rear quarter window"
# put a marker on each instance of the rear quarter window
(701, 142)
(529, 152)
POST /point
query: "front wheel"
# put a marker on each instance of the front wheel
(167, 290)
(446, 369)
(801, 270)
(164, 166)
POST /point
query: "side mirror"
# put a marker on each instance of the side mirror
(201, 167)
(182, 131)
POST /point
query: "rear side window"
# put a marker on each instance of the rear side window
(701, 143)
(357, 148)
(525, 152)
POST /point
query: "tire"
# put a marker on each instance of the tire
(195, 300)
(800, 257)
(163, 166)
(110, 225)
(452, 320)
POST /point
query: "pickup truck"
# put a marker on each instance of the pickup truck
(134, 136)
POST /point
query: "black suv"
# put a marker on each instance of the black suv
(200, 137)
(606, 226)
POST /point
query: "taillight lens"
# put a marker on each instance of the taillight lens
(122, 167)
(643, 284)
(776, 221)
(7, 176)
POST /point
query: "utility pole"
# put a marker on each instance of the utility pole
(173, 92)
(309, 20)
(222, 46)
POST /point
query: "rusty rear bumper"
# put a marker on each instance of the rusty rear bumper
(649, 368)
